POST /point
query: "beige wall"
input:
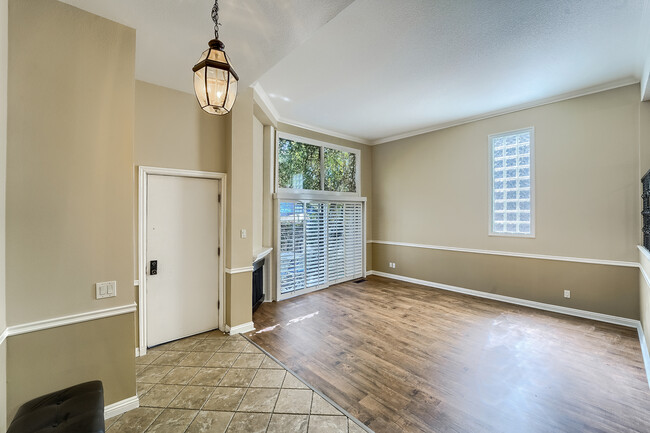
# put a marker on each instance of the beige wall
(69, 158)
(171, 131)
(433, 189)
(4, 12)
(603, 289)
(644, 137)
(366, 173)
(240, 210)
(258, 184)
(69, 196)
(41, 362)
(3, 386)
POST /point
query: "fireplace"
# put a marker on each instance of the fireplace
(258, 283)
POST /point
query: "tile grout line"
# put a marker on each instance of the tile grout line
(184, 386)
(214, 390)
(343, 411)
(258, 350)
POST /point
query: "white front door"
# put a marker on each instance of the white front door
(182, 237)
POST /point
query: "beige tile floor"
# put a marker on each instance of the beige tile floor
(218, 383)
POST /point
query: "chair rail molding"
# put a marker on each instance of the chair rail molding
(511, 254)
(55, 322)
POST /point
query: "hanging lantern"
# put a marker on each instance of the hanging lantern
(215, 80)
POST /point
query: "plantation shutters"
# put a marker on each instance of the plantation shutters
(315, 238)
(344, 241)
(321, 243)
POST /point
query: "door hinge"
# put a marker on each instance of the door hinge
(218, 304)
(219, 198)
(218, 251)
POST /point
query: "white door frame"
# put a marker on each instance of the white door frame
(143, 174)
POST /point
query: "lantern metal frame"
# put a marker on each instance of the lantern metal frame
(207, 63)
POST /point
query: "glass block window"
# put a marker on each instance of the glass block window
(511, 168)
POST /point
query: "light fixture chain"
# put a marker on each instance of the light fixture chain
(215, 18)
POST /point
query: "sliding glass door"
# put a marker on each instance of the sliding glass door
(321, 243)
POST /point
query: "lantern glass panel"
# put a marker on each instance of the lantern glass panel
(212, 109)
(232, 93)
(199, 87)
(218, 56)
(217, 86)
(204, 56)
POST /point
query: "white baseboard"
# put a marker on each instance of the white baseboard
(644, 351)
(121, 406)
(137, 352)
(240, 329)
(623, 321)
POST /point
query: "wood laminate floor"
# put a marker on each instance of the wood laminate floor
(406, 358)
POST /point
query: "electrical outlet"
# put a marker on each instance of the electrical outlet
(567, 294)
(243, 233)
(107, 289)
(391, 265)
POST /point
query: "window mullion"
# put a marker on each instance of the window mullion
(322, 168)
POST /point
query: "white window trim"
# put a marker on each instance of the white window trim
(532, 183)
(300, 193)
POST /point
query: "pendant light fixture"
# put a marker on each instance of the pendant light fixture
(215, 81)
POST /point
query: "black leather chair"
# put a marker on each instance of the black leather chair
(78, 409)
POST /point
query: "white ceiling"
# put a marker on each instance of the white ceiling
(372, 69)
(383, 68)
(172, 34)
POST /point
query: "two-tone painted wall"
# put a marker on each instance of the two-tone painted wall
(69, 201)
(644, 255)
(431, 206)
(4, 46)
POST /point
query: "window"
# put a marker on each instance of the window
(512, 183)
(321, 216)
(340, 170)
(308, 165)
(299, 165)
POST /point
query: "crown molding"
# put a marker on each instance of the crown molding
(437, 127)
(538, 103)
(264, 102)
(329, 132)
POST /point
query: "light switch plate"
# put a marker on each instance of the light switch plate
(106, 289)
